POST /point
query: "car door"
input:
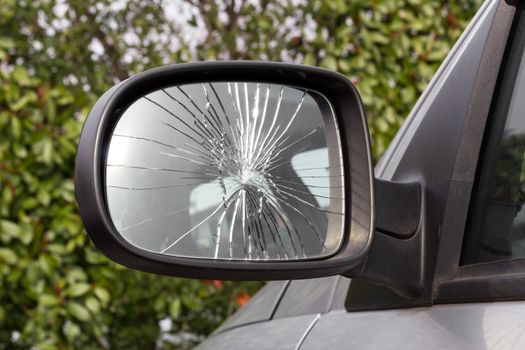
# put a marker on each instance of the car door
(478, 289)
(280, 315)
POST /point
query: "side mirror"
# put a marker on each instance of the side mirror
(229, 170)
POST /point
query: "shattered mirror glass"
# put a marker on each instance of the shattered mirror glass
(228, 170)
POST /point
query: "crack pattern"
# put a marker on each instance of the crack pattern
(235, 144)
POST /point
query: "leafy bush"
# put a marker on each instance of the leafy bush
(56, 57)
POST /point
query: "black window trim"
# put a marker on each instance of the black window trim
(494, 131)
(491, 281)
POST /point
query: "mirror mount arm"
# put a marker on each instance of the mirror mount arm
(395, 260)
(398, 208)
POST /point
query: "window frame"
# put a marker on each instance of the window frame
(488, 281)
(492, 143)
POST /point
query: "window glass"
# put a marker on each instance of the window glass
(497, 219)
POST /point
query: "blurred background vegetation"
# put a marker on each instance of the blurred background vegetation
(56, 57)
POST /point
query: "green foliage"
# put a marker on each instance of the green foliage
(61, 291)
(390, 49)
(56, 57)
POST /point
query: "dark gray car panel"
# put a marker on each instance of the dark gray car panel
(260, 308)
(283, 334)
(453, 326)
(305, 297)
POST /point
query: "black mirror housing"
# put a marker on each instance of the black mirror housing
(348, 110)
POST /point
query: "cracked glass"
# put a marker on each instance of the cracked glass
(228, 170)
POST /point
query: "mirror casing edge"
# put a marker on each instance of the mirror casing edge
(349, 112)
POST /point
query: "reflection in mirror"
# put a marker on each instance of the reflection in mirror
(228, 170)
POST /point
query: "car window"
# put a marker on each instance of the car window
(496, 228)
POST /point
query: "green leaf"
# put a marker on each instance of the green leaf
(8, 256)
(47, 152)
(102, 295)
(78, 289)
(93, 305)
(344, 65)
(20, 75)
(50, 110)
(23, 102)
(71, 330)
(26, 236)
(48, 300)
(46, 264)
(7, 43)
(78, 311)
(10, 228)
(309, 59)
(16, 127)
(75, 274)
(379, 38)
(43, 197)
(175, 308)
(329, 62)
